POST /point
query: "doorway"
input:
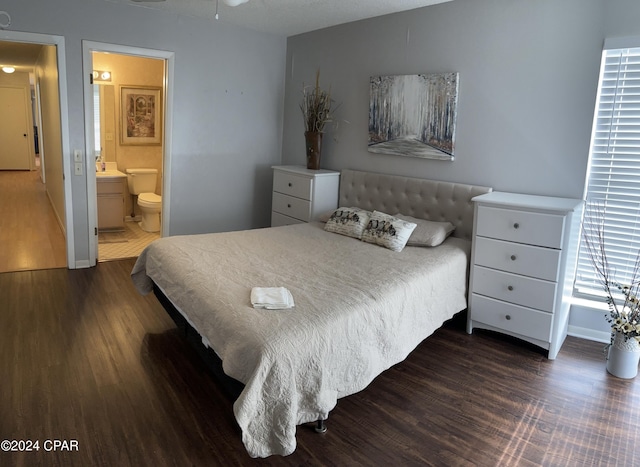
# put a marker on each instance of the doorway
(121, 72)
(119, 81)
(37, 231)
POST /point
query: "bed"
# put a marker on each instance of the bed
(359, 307)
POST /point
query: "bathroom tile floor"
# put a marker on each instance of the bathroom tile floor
(127, 244)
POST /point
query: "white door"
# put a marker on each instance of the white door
(14, 129)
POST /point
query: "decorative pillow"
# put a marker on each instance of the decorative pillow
(348, 221)
(427, 233)
(387, 231)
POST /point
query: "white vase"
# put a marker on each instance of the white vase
(623, 358)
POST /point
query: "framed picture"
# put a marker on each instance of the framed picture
(413, 115)
(140, 117)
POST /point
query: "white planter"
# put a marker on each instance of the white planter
(623, 357)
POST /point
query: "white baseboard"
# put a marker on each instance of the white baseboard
(83, 263)
(589, 334)
(55, 213)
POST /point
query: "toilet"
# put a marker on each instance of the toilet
(142, 183)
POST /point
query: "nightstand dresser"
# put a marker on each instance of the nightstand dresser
(302, 195)
(523, 261)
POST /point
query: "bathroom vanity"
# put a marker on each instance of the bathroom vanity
(110, 188)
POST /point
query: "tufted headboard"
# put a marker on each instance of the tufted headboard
(425, 199)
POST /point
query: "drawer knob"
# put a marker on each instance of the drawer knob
(510, 288)
(290, 184)
(513, 257)
(516, 226)
(288, 205)
(508, 317)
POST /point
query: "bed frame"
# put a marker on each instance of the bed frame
(426, 199)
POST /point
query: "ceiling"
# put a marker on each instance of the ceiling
(21, 56)
(284, 17)
(279, 17)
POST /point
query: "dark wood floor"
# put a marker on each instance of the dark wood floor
(83, 357)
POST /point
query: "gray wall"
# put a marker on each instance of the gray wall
(228, 95)
(622, 18)
(528, 80)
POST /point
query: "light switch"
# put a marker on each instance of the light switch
(108, 136)
(77, 155)
(78, 168)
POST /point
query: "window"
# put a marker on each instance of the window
(614, 175)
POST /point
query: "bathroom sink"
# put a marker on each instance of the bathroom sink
(110, 172)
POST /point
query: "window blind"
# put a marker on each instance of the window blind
(613, 186)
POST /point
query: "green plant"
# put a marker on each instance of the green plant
(316, 106)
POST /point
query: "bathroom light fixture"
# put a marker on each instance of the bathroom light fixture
(99, 75)
(8, 69)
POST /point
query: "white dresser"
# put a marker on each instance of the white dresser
(301, 195)
(523, 262)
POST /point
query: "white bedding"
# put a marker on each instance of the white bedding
(359, 309)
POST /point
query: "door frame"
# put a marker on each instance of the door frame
(88, 47)
(43, 175)
(58, 42)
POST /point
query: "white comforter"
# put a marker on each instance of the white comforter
(359, 309)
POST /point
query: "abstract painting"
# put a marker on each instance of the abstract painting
(413, 115)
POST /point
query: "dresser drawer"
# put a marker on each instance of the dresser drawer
(278, 220)
(533, 261)
(512, 318)
(291, 206)
(293, 185)
(513, 288)
(520, 226)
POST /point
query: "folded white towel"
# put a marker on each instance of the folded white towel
(271, 298)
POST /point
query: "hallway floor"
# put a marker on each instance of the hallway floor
(30, 234)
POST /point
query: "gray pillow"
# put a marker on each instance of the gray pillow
(427, 233)
(325, 216)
